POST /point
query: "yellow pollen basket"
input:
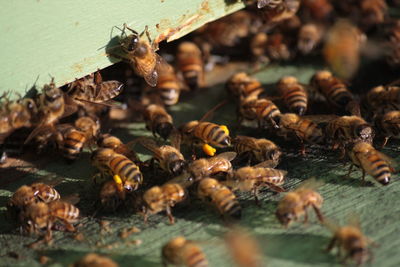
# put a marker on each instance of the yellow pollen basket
(117, 179)
(209, 150)
(225, 129)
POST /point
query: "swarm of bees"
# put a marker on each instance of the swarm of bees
(185, 164)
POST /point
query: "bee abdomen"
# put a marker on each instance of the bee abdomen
(380, 169)
(65, 211)
(340, 95)
(169, 96)
(227, 203)
(296, 100)
(73, 144)
(196, 259)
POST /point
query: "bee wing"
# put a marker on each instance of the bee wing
(152, 77)
(321, 118)
(212, 110)
(230, 155)
(332, 225)
(276, 188)
(149, 144)
(392, 163)
(267, 164)
(176, 139)
(40, 129)
(311, 183)
(263, 3)
(70, 107)
(353, 219)
(72, 199)
(50, 179)
(97, 77)
(185, 180)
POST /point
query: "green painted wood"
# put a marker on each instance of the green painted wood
(67, 39)
(300, 245)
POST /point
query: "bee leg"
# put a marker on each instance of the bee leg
(350, 170)
(302, 149)
(305, 221)
(169, 214)
(318, 213)
(363, 178)
(342, 152)
(385, 140)
(3, 158)
(68, 226)
(331, 244)
(255, 194)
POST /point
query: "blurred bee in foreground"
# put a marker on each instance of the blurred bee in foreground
(332, 88)
(158, 120)
(220, 196)
(93, 89)
(159, 198)
(170, 158)
(111, 197)
(393, 56)
(277, 47)
(179, 251)
(294, 94)
(295, 204)
(124, 171)
(257, 150)
(309, 38)
(388, 125)
(140, 54)
(95, 260)
(244, 248)
(207, 167)
(342, 48)
(253, 178)
(346, 130)
(350, 242)
(190, 63)
(303, 129)
(114, 143)
(372, 162)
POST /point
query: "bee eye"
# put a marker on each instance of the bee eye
(133, 44)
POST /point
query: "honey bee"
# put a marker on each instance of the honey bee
(258, 45)
(220, 196)
(95, 260)
(259, 149)
(372, 162)
(295, 203)
(309, 37)
(207, 167)
(124, 171)
(15, 115)
(206, 134)
(141, 55)
(242, 85)
(388, 125)
(262, 110)
(41, 215)
(244, 248)
(351, 243)
(111, 196)
(294, 95)
(169, 157)
(71, 139)
(113, 142)
(51, 108)
(277, 47)
(159, 198)
(303, 129)
(333, 89)
(276, 11)
(342, 48)
(347, 130)
(393, 57)
(373, 12)
(179, 251)
(190, 63)
(28, 194)
(252, 178)
(169, 87)
(384, 98)
(158, 120)
(93, 89)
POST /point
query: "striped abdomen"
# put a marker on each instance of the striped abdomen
(309, 131)
(192, 71)
(72, 144)
(105, 91)
(337, 93)
(266, 109)
(168, 88)
(173, 193)
(295, 98)
(45, 192)
(377, 167)
(127, 170)
(212, 134)
(64, 211)
(251, 87)
(226, 202)
(193, 256)
(389, 123)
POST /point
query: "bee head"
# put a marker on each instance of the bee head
(284, 217)
(164, 129)
(359, 253)
(364, 131)
(176, 167)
